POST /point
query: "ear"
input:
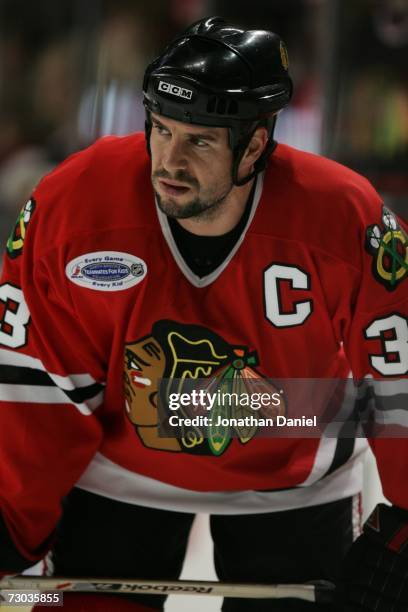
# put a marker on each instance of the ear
(253, 151)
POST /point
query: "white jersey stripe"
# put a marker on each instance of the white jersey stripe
(106, 478)
(329, 440)
(384, 388)
(323, 459)
(391, 417)
(36, 394)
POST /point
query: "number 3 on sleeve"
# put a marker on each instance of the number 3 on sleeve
(14, 317)
(393, 333)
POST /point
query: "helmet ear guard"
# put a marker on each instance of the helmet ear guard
(239, 147)
(217, 75)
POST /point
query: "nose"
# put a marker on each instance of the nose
(174, 155)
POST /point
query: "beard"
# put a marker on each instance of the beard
(203, 209)
(204, 206)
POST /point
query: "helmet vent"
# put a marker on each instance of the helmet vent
(233, 107)
(222, 106)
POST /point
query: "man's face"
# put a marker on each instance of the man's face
(191, 168)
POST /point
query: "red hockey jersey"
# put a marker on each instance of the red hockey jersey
(97, 306)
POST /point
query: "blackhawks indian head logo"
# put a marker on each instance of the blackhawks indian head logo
(388, 244)
(175, 358)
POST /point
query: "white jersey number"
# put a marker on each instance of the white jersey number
(393, 333)
(274, 311)
(13, 324)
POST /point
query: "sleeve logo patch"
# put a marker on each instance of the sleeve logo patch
(16, 241)
(388, 244)
(106, 270)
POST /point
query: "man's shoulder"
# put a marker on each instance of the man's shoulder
(317, 202)
(316, 173)
(98, 189)
(106, 154)
(319, 187)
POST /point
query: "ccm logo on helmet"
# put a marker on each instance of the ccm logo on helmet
(175, 90)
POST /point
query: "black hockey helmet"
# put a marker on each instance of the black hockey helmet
(216, 74)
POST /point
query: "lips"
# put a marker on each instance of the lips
(172, 188)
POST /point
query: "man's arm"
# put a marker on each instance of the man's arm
(376, 568)
(49, 396)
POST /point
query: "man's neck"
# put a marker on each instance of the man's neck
(225, 218)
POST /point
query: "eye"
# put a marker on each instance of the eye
(161, 130)
(199, 142)
(134, 365)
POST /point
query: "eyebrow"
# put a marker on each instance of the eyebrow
(210, 136)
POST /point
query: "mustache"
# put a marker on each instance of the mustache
(180, 175)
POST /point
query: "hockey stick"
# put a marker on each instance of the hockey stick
(318, 592)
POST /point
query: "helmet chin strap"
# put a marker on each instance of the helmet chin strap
(240, 148)
(148, 131)
(243, 181)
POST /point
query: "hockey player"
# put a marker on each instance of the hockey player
(213, 253)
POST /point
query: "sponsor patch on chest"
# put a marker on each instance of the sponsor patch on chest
(106, 270)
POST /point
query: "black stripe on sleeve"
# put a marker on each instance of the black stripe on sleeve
(81, 394)
(16, 375)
